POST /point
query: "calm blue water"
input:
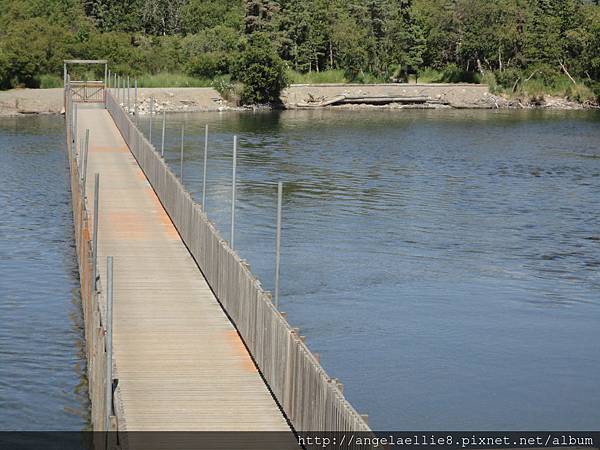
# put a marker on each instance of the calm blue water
(445, 264)
(42, 383)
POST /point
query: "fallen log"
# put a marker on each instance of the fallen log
(345, 99)
(378, 100)
(322, 103)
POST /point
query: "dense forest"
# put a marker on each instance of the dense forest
(516, 46)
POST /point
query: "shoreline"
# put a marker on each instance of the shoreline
(26, 102)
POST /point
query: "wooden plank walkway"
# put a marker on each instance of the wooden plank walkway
(180, 363)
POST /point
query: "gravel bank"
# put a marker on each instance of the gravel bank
(17, 102)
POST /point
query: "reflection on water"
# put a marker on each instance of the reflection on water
(445, 264)
(42, 361)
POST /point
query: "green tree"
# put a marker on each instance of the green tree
(404, 42)
(350, 43)
(201, 15)
(261, 71)
(115, 15)
(258, 15)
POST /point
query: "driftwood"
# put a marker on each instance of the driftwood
(322, 103)
(345, 99)
(377, 100)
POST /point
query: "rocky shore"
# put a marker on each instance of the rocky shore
(17, 102)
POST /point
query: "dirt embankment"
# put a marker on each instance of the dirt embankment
(17, 102)
(438, 95)
(50, 101)
(31, 101)
(399, 96)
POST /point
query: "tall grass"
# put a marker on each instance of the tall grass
(326, 76)
(536, 89)
(50, 81)
(166, 79)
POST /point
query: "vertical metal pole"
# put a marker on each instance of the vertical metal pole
(85, 150)
(151, 117)
(204, 172)
(85, 160)
(115, 86)
(119, 89)
(95, 231)
(75, 126)
(108, 80)
(109, 334)
(233, 191)
(135, 101)
(80, 156)
(65, 86)
(105, 81)
(278, 242)
(128, 96)
(162, 145)
(181, 157)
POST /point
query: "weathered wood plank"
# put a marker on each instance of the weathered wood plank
(180, 362)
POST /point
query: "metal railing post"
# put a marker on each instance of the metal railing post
(181, 157)
(204, 171)
(151, 118)
(95, 231)
(135, 101)
(86, 148)
(128, 96)
(278, 242)
(162, 145)
(75, 125)
(109, 335)
(233, 191)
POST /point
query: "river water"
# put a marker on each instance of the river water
(445, 264)
(42, 366)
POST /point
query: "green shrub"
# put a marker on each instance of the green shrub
(580, 93)
(262, 72)
(507, 78)
(489, 78)
(217, 39)
(49, 81)
(595, 87)
(453, 74)
(534, 90)
(430, 75)
(208, 65)
(4, 70)
(229, 90)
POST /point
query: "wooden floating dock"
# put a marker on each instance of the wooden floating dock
(197, 344)
(180, 363)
